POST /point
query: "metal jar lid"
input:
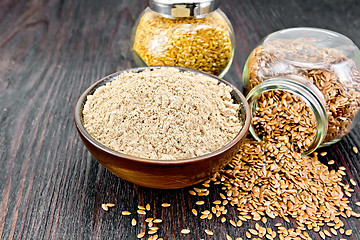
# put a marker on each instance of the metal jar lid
(183, 8)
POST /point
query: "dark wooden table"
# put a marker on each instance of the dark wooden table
(50, 52)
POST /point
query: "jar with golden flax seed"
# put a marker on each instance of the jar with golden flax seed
(304, 73)
(183, 33)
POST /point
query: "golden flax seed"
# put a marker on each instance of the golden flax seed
(185, 231)
(133, 222)
(125, 213)
(165, 205)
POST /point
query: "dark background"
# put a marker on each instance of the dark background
(50, 52)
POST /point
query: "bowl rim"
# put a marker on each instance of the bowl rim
(81, 129)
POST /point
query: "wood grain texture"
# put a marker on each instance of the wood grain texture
(50, 52)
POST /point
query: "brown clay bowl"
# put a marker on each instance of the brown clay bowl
(165, 174)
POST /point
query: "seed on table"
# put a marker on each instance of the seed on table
(322, 235)
(148, 220)
(104, 207)
(333, 231)
(223, 219)
(140, 235)
(141, 207)
(232, 222)
(353, 182)
(194, 212)
(327, 233)
(110, 205)
(147, 207)
(140, 211)
(248, 235)
(192, 192)
(331, 162)
(264, 219)
(348, 232)
(157, 220)
(355, 149)
(228, 237)
(208, 232)
(342, 231)
(152, 231)
(239, 238)
(357, 204)
(166, 205)
(200, 203)
(239, 223)
(323, 153)
(217, 202)
(125, 213)
(185, 231)
(253, 231)
(133, 222)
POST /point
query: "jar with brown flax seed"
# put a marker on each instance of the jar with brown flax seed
(183, 33)
(305, 72)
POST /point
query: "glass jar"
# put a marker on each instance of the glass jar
(319, 66)
(192, 34)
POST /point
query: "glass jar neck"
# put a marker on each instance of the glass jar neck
(183, 8)
(304, 89)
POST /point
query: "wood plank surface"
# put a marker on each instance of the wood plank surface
(50, 52)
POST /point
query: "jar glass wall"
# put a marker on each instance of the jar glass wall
(325, 59)
(204, 42)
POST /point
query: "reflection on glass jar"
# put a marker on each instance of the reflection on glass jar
(319, 66)
(195, 35)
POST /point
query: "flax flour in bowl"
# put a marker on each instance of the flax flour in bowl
(172, 126)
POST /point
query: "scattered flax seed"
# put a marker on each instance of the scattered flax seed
(327, 233)
(248, 235)
(355, 150)
(152, 231)
(147, 207)
(223, 219)
(203, 216)
(348, 232)
(166, 205)
(141, 207)
(208, 232)
(228, 237)
(264, 219)
(232, 222)
(333, 231)
(331, 162)
(342, 231)
(104, 207)
(357, 204)
(192, 192)
(323, 153)
(217, 202)
(200, 203)
(110, 205)
(253, 231)
(140, 211)
(157, 220)
(194, 212)
(322, 234)
(185, 231)
(141, 235)
(148, 220)
(133, 222)
(353, 182)
(125, 213)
